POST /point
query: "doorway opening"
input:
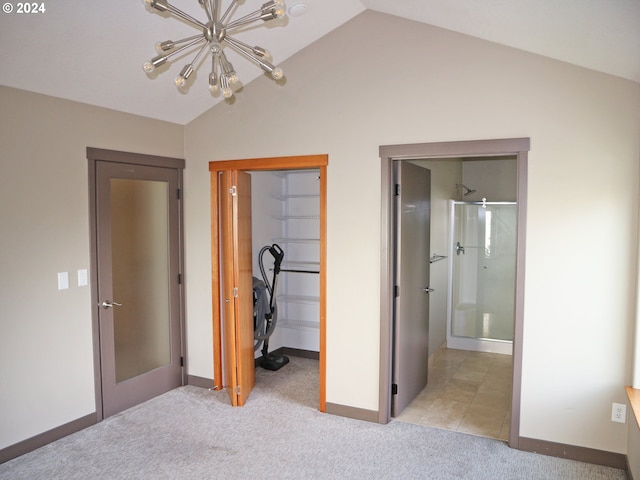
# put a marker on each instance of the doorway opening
(288, 203)
(390, 155)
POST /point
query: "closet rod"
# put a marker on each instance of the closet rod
(299, 271)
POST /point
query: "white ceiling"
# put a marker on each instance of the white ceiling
(92, 52)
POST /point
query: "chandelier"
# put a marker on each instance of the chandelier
(213, 38)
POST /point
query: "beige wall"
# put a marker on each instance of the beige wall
(357, 89)
(46, 378)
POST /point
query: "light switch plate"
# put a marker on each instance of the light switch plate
(63, 280)
(82, 277)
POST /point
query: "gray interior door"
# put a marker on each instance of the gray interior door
(411, 319)
(138, 263)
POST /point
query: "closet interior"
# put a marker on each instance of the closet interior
(286, 211)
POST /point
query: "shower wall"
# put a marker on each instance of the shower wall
(483, 276)
(494, 178)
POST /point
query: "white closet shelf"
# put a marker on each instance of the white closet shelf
(306, 265)
(298, 324)
(305, 299)
(296, 217)
(296, 240)
(300, 195)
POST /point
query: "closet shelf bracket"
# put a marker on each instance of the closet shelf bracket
(436, 258)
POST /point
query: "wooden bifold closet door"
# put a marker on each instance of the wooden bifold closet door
(237, 286)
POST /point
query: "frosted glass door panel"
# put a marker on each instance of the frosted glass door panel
(140, 256)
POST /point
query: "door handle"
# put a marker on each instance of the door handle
(110, 304)
(428, 290)
(459, 249)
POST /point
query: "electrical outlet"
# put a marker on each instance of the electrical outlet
(619, 413)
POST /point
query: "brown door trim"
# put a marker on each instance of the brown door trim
(275, 163)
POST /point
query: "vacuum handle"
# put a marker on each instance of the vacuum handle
(278, 256)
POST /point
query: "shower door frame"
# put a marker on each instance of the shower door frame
(473, 148)
(471, 343)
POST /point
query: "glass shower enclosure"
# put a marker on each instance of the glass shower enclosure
(482, 276)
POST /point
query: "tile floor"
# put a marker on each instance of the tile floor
(467, 392)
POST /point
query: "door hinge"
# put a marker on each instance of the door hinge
(396, 291)
(394, 389)
(182, 361)
(233, 191)
(237, 389)
(179, 279)
(178, 193)
(234, 292)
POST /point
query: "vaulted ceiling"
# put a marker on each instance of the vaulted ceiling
(92, 52)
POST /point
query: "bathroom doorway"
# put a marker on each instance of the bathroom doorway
(517, 148)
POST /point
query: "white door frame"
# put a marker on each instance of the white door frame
(476, 148)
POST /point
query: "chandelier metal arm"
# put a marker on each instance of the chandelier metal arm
(199, 54)
(170, 44)
(189, 68)
(242, 48)
(228, 11)
(247, 19)
(207, 8)
(213, 6)
(266, 66)
(269, 11)
(226, 66)
(179, 13)
(199, 39)
(258, 51)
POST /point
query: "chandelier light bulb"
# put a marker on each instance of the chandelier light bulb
(148, 67)
(227, 92)
(180, 81)
(277, 73)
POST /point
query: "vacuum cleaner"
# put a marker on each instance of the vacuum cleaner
(265, 309)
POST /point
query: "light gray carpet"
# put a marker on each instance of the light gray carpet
(193, 433)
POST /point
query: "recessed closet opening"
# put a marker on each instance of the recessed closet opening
(269, 215)
(286, 212)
